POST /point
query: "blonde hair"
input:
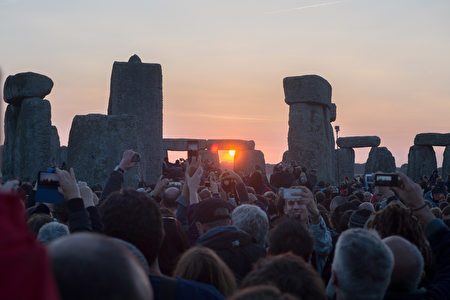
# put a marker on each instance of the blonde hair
(203, 265)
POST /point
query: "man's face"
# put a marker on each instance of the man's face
(438, 197)
(296, 208)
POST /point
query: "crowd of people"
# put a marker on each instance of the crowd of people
(205, 233)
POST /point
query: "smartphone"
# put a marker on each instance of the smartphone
(369, 180)
(47, 188)
(386, 179)
(136, 158)
(291, 193)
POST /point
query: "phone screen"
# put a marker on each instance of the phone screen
(48, 179)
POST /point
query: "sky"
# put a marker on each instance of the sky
(223, 62)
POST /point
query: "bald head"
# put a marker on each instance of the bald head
(90, 266)
(408, 264)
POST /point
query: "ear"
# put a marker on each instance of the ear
(334, 280)
(200, 228)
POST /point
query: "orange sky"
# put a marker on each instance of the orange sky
(223, 62)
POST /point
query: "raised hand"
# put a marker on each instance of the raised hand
(68, 184)
(129, 159)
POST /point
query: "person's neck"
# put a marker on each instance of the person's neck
(154, 269)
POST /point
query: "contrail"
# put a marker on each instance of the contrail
(305, 7)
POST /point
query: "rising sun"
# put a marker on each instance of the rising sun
(232, 152)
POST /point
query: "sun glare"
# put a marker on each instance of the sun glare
(232, 152)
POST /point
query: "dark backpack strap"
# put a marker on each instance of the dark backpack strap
(168, 288)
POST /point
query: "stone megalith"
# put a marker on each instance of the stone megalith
(26, 85)
(54, 146)
(345, 164)
(380, 160)
(212, 157)
(404, 169)
(358, 141)
(230, 144)
(182, 144)
(310, 137)
(93, 154)
(8, 166)
(432, 139)
(136, 89)
(421, 161)
(446, 163)
(245, 161)
(29, 150)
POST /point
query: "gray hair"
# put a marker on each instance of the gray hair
(409, 263)
(253, 220)
(51, 231)
(363, 265)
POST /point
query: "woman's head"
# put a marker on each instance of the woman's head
(203, 265)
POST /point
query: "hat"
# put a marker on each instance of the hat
(438, 190)
(211, 210)
(359, 218)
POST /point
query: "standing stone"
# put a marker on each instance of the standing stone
(26, 85)
(94, 153)
(213, 157)
(245, 161)
(8, 167)
(404, 169)
(54, 146)
(310, 137)
(32, 145)
(345, 163)
(136, 89)
(62, 155)
(182, 144)
(446, 163)
(421, 161)
(380, 160)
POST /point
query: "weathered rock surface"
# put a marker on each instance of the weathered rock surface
(229, 144)
(307, 89)
(432, 139)
(404, 169)
(62, 155)
(182, 144)
(358, 141)
(380, 160)
(345, 164)
(311, 139)
(245, 161)
(26, 85)
(8, 167)
(421, 161)
(213, 157)
(96, 145)
(333, 112)
(136, 89)
(446, 163)
(54, 146)
(31, 150)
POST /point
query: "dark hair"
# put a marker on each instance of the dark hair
(261, 292)
(343, 222)
(337, 214)
(174, 244)
(90, 266)
(36, 221)
(443, 205)
(134, 217)
(290, 274)
(395, 219)
(61, 212)
(291, 236)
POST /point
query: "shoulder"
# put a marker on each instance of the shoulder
(190, 289)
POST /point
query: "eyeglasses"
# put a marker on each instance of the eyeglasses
(292, 202)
